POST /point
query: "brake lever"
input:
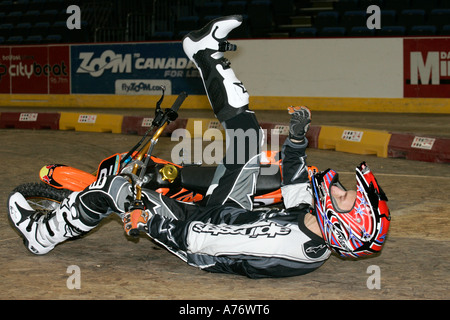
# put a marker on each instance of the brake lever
(159, 114)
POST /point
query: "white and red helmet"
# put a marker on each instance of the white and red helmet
(360, 231)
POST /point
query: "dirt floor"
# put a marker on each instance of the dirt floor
(415, 262)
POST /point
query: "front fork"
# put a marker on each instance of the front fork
(137, 213)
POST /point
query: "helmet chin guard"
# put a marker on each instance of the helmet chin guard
(362, 230)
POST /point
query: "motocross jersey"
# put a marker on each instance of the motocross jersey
(261, 243)
(229, 238)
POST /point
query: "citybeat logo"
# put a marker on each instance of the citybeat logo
(35, 70)
(427, 68)
(27, 70)
(3, 70)
(19, 68)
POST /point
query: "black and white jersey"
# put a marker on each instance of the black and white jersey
(228, 238)
(261, 243)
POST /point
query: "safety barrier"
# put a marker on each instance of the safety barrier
(345, 139)
(140, 125)
(422, 148)
(354, 140)
(90, 122)
(29, 120)
(198, 126)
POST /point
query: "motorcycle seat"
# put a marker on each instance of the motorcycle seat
(198, 179)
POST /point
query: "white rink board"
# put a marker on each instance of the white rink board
(359, 68)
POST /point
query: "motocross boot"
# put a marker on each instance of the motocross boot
(75, 216)
(206, 47)
(212, 36)
(42, 232)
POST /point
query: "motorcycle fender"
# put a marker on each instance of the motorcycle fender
(109, 166)
(61, 176)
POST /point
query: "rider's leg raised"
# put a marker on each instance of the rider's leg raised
(235, 177)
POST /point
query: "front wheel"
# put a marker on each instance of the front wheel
(42, 197)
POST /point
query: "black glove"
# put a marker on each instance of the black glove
(299, 123)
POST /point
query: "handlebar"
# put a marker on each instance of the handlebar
(160, 119)
(161, 122)
(169, 114)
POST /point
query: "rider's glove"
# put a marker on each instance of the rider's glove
(299, 123)
(135, 221)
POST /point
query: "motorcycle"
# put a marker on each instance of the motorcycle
(183, 182)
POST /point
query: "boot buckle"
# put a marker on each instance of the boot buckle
(226, 46)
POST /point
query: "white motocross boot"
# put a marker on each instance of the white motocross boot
(205, 47)
(75, 216)
(40, 232)
(212, 36)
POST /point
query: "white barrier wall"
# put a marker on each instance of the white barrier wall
(371, 68)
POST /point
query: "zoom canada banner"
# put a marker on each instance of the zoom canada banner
(133, 69)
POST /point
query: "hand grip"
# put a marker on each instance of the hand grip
(177, 104)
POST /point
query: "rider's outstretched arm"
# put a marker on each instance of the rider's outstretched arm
(295, 186)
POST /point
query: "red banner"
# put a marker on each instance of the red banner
(426, 65)
(5, 79)
(59, 74)
(35, 70)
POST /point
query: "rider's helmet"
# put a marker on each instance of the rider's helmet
(361, 230)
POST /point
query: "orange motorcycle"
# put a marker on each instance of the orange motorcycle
(187, 183)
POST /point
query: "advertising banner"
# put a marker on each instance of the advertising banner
(5, 61)
(35, 70)
(426, 65)
(133, 69)
(58, 69)
(26, 70)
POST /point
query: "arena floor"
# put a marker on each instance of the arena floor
(415, 262)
